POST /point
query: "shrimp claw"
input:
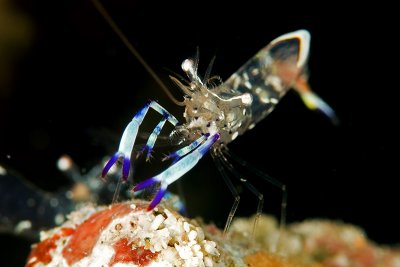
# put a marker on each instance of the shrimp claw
(177, 155)
(177, 170)
(129, 136)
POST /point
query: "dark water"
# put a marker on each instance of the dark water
(75, 86)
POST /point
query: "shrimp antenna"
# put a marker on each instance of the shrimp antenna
(125, 40)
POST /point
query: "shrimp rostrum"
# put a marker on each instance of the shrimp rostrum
(218, 112)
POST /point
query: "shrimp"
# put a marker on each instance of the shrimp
(217, 112)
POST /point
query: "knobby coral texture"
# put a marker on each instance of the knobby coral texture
(315, 243)
(126, 234)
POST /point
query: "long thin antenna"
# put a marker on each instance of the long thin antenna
(125, 40)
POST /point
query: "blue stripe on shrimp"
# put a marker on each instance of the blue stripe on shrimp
(129, 136)
(177, 170)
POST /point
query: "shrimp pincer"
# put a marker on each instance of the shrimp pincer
(129, 136)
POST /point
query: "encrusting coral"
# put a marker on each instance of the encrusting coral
(125, 234)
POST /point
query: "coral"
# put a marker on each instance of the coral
(317, 243)
(126, 234)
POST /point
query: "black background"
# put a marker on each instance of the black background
(77, 86)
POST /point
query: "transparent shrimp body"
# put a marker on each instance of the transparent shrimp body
(212, 109)
(216, 115)
(273, 71)
(252, 92)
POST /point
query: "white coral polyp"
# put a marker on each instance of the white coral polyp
(176, 241)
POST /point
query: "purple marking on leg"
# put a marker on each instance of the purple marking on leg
(216, 136)
(143, 110)
(214, 139)
(157, 198)
(174, 156)
(125, 168)
(144, 148)
(148, 154)
(144, 184)
(109, 164)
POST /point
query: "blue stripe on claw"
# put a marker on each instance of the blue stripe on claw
(158, 197)
(125, 168)
(129, 136)
(109, 164)
(144, 184)
(207, 145)
(177, 170)
(177, 155)
(153, 137)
